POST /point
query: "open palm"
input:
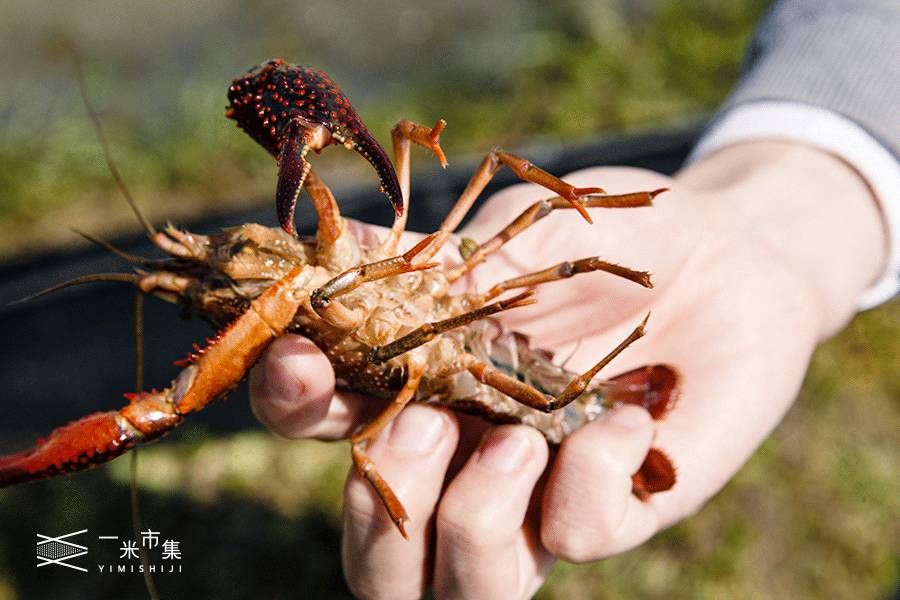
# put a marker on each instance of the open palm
(488, 514)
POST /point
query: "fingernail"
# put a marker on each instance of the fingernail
(505, 450)
(417, 430)
(629, 417)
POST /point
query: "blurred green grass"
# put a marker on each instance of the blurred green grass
(813, 514)
(575, 71)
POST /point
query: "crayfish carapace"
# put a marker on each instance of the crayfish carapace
(387, 320)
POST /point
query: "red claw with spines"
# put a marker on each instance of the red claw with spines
(292, 109)
(91, 440)
(213, 371)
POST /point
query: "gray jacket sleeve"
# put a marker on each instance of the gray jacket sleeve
(843, 55)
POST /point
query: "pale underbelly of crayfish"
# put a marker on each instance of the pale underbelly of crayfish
(395, 308)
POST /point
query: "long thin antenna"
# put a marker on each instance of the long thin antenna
(139, 341)
(138, 303)
(101, 137)
(135, 496)
(121, 277)
(138, 260)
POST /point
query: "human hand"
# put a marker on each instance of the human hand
(740, 300)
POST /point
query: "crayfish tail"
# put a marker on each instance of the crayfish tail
(654, 388)
(657, 474)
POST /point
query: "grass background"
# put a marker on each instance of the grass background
(813, 514)
(503, 74)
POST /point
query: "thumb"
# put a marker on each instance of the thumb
(589, 511)
(292, 393)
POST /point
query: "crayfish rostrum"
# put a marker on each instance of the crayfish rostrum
(386, 319)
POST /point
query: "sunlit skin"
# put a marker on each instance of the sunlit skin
(759, 253)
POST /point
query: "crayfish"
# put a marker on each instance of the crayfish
(386, 319)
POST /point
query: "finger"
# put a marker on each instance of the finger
(657, 239)
(292, 393)
(484, 549)
(589, 511)
(412, 455)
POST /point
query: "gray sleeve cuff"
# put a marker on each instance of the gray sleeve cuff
(843, 55)
(824, 129)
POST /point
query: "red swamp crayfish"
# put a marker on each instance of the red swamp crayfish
(386, 320)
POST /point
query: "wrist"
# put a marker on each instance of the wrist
(813, 211)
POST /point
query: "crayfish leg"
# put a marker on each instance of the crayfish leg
(364, 465)
(531, 396)
(526, 171)
(428, 331)
(564, 270)
(403, 134)
(329, 229)
(324, 298)
(474, 254)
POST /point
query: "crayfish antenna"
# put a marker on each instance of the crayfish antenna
(120, 277)
(133, 470)
(138, 260)
(139, 299)
(104, 143)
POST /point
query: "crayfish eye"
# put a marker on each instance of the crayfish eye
(239, 247)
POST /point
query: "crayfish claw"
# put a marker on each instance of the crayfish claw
(372, 151)
(290, 109)
(292, 172)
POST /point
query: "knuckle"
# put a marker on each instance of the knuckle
(572, 545)
(598, 448)
(463, 523)
(368, 588)
(361, 505)
(680, 505)
(579, 526)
